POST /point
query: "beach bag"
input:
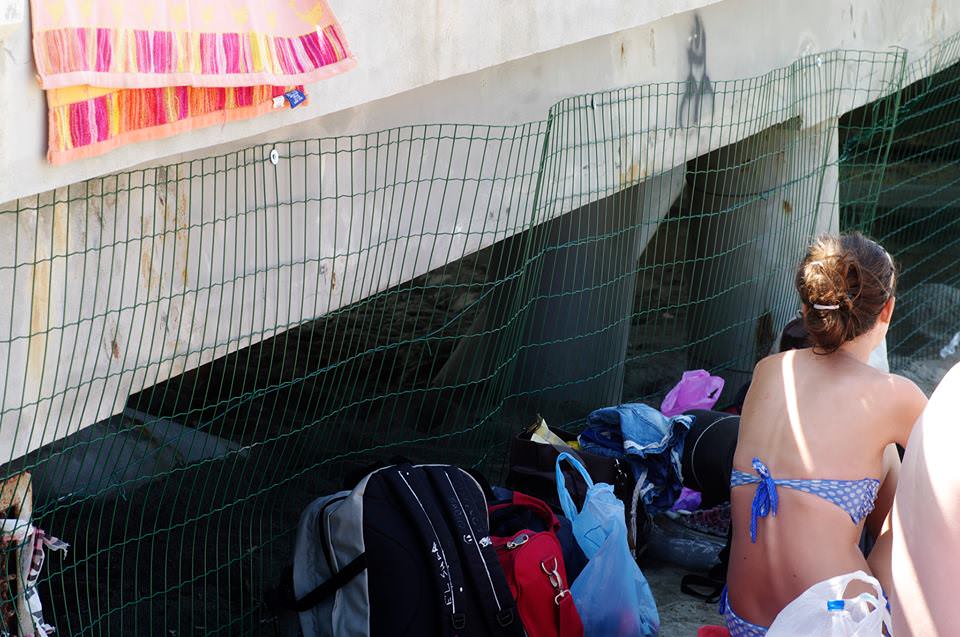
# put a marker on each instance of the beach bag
(696, 390)
(532, 560)
(406, 549)
(823, 611)
(611, 594)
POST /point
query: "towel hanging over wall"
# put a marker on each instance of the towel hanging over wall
(154, 43)
(118, 72)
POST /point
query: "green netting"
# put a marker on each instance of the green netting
(194, 352)
(915, 215)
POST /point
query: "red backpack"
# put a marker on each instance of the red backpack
(533, 564)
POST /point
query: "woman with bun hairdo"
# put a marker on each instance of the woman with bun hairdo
(816, 460)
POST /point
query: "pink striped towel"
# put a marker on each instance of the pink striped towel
(156, 43)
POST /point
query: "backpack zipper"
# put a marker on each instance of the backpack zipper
(518, 541)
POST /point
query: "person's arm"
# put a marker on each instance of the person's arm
(879, 519)
(925, 557)
(908, 402)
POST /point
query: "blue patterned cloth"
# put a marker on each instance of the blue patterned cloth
(856, 497)
(603, 441)
(651, 442)
(738, 626)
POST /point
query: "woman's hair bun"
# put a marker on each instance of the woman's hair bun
(844, 281)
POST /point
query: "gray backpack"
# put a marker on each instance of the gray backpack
(406, 552)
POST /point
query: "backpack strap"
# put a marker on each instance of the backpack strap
(284, 597)
(406, 482)
(479, 557)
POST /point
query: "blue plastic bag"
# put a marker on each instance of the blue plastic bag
(611, 594)
(601, 508)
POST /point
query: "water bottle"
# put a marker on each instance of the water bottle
(841, 623)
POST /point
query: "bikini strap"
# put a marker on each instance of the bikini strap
(765, 500)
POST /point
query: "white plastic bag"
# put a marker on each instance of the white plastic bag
(823, 611)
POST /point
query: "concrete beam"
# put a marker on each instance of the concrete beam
(508, 63)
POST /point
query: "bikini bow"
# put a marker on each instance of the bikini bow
(765, 500)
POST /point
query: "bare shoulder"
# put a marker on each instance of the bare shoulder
(771, 364)
(902, 400)
(905, 393)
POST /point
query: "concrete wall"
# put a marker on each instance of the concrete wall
(123, 281)
(490, 62)
(401, 45)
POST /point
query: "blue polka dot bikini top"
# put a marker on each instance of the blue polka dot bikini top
(856, 497)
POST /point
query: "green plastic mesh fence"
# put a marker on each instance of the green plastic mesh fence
(916, 216)
(194, 352)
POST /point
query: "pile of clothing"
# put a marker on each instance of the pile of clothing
(650, 442)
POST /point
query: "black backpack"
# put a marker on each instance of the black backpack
(405, 552)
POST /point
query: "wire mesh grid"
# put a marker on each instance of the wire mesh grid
(193, 352)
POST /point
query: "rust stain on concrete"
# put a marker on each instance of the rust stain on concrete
(39, 314)
(56, 229)
(147, 273)
(171, 327)
(632, 174)
(183, 233)
(178, 366)
(61, 213)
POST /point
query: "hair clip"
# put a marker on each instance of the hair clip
(817, 306)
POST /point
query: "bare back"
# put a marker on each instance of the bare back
(808, 416)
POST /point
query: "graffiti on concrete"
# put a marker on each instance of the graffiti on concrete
(698, 96)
